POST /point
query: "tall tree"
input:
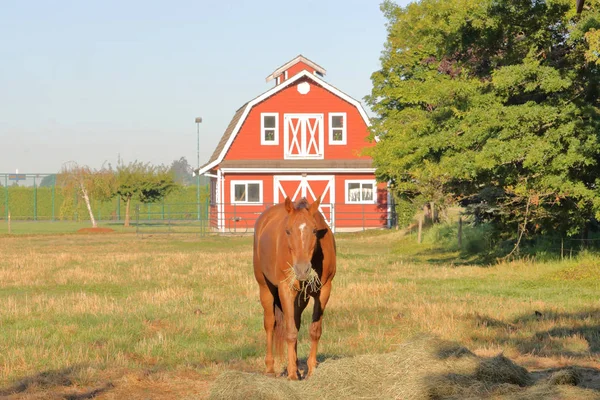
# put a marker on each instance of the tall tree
(492, 103)
(86, 183)
(143, 182)
(48, 181)
(182, 172)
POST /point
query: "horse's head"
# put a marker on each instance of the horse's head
(301, 231)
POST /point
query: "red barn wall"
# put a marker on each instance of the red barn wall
(318, 101)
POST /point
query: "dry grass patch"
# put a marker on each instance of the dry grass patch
(424, 368)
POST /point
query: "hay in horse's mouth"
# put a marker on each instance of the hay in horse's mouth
(312, 282)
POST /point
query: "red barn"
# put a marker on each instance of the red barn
(302, 138)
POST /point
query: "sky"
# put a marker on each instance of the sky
(98, 81)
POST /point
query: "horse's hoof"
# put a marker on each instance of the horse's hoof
(294, 377)
(271, 374)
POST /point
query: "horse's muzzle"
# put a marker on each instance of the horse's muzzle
(302, 271)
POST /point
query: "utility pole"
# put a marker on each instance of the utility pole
(198, 122)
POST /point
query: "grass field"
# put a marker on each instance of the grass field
(119, 316)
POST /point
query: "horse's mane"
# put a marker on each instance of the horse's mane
(302, 203)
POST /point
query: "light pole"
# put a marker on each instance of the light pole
(198, 122)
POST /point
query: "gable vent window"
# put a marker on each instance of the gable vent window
(337, 128)
(269, 129)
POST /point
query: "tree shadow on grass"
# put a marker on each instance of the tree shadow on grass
(63, 378)
(547, 333)
(441, 256)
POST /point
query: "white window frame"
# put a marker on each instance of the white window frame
(264, 142)
(344, 128)
(233, 183)
(361, 182)
(304, 137)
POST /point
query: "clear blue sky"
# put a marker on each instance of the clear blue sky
(91, 80)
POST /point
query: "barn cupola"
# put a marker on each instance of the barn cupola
(292, 67)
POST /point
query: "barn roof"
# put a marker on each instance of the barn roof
(240, 115)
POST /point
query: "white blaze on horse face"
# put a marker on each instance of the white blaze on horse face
(301, 227)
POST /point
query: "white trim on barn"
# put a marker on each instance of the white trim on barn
(276, 89)
(297, 170)
(343, 128)
(263, 129)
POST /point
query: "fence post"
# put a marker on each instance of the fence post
(137, 219)
(8, 217)
(168, 215)
(34, 199)
(53, 194)
(562, 248)
(76, 213)
(6, 197)
(118, 208)
(234, 220)
(459, 231)
(420, 228)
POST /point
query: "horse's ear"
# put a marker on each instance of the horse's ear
(289, 206)
(314, 207)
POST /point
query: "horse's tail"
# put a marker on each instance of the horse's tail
(279, 333)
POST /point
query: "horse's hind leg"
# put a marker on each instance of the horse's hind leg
(316, 325)
(268, 302)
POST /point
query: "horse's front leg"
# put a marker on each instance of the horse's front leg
(316, 325)
(287, 297)
(267, 301)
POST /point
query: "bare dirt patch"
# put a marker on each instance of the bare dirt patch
(95, 230)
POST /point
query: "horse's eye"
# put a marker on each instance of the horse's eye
(287, 231)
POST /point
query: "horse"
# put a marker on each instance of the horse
(294, 259)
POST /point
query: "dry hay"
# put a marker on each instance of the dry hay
(425, 368)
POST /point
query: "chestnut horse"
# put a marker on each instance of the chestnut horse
(294, 259)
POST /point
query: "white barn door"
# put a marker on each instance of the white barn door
(297, 187)
(303, 136)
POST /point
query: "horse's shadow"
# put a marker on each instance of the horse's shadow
(47, 380)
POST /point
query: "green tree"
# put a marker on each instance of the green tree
(48, 181)
(182, 172)
(143, 182)
(493, 104)
(86, 183)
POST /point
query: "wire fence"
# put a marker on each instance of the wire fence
(37, 197)
(236, 219)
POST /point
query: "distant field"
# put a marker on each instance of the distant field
(122, 316)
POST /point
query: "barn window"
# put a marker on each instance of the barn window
(269, 128)
(246, 192)
(337, 128)
(361, 192)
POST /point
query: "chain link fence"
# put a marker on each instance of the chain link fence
(37, 197)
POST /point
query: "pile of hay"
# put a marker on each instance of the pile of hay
(426, 368)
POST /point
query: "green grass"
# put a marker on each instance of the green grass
(119, 304)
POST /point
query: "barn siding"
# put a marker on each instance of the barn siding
(317, 101)
(346, 215)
